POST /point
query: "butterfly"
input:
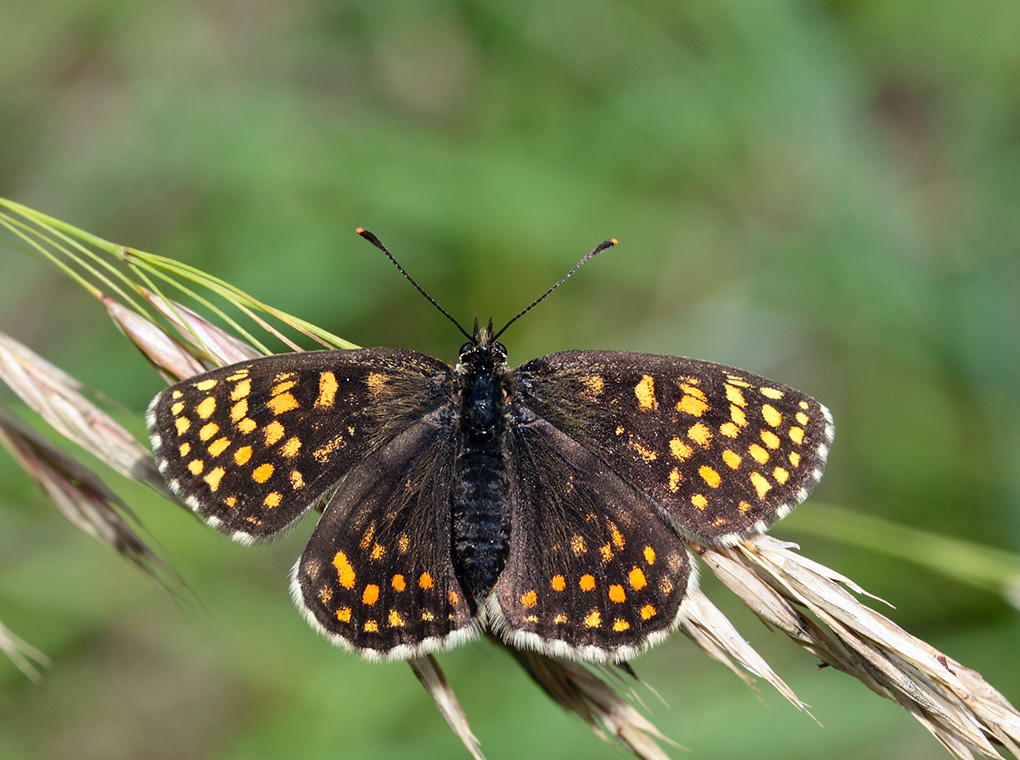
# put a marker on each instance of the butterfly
(553, 504)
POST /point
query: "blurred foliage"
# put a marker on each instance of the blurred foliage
(823, 193)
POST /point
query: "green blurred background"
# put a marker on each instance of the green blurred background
(823, 193)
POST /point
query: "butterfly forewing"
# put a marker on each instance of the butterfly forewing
(377, 575)
(593, 571)
(251, 447)
(725, 453)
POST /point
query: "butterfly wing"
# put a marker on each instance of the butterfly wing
(377, 575)
(252, 446)
(593, 572)
(722, 452)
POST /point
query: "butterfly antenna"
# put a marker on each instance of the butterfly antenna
(378, 244)
(605, 245)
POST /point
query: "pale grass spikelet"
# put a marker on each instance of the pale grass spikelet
(953, 702)
(164, 352)
(431, 676)
(61, 401)
(80, 495)
(582, 690)
(22, 654)
(218, 344)
(707, 627)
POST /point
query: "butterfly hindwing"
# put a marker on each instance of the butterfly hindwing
(593, 572)
(724, 452)
(251, 447)
(377, 575)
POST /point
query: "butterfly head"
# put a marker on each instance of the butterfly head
(482, 354)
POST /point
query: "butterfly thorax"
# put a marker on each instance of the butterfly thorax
(480, 519)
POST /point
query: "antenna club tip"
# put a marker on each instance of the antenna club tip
(361, 230)
(613, 241)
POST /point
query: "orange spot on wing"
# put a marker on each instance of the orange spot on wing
(206, 407)
(273, 432)
(692, 405)
(327, 390)
(710, 476)
(617, 536)
(679, 449)
(577, 545)
(645, 453)
(761, 485)
(734, 396)
(758, 453)
(700, 434)
(218, 446)
(637, 579)
(241, 390)
(291, 447)
(370, 595)
(283, 403)
(213, 477)
(645, 393)
(239, 410)
(345, 571)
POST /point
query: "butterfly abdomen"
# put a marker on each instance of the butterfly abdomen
(480, 524)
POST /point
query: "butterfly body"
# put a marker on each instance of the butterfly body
(552, 504)
(480, 523)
